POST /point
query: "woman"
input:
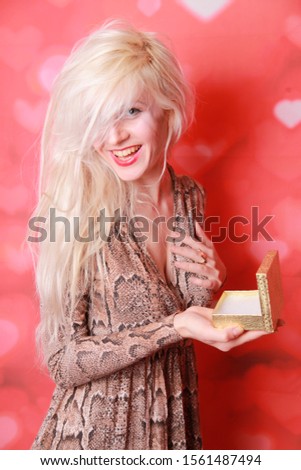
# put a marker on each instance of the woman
(126, 272)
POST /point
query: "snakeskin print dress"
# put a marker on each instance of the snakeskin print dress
(125, 379)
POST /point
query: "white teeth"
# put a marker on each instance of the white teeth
(127, 152)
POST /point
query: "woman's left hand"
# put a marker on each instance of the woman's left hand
(204, 260)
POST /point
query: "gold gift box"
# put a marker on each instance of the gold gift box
(254, 309)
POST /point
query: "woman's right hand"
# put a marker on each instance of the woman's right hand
(196, 323)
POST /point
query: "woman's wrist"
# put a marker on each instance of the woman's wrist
(180, 324)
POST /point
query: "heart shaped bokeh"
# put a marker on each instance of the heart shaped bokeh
(149, 8)
(288, 112)
(243, 61)
(30, 115)
(206, 10)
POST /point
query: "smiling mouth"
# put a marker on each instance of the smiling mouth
(127, 153)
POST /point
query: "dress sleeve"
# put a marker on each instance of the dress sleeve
(76, 357)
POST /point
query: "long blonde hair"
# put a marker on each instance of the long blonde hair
(98, 82)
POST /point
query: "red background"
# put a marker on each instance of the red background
(244, 58)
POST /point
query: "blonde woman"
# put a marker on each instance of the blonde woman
(125, 271)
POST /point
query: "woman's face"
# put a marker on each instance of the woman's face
(134, 146)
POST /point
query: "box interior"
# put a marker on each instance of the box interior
(239, 303)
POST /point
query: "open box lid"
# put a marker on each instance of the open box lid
(270, 290)
(255, 309)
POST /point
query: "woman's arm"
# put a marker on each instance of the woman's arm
(76, 357)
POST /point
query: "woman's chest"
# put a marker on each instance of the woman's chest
(132, 288)
(158, 248)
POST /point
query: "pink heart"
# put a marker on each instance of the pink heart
(196, 158)
(17, 259)
(191, 159)
(149, 8)
(49, 70)
(293, 29)
(13, 199)
(8, 430)
(18, 48)
(288, 112)
(206, 10)
(30, 116)
(9, 336)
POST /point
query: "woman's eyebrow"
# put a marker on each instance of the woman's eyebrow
(141, 102)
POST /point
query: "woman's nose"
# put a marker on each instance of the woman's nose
(118, 133)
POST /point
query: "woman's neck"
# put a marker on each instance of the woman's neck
(157, 190)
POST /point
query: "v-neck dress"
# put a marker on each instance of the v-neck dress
(125, 379)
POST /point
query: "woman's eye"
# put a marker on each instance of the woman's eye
(133, 111)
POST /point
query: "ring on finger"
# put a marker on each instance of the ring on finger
(203, 256)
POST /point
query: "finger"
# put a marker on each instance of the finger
(241, 339)
(195, 268)
(224, 338)
(197, 245)
(206, 283)
(250, 336)
(202, 235)
(175, 237)
(187, 252)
